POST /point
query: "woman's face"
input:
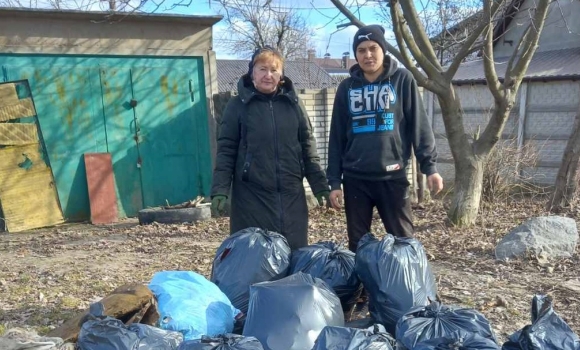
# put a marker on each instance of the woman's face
(266, 75)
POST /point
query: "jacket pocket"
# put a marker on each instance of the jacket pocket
(375, 155)
(246, 167)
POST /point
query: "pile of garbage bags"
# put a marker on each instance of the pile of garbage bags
(283, 300)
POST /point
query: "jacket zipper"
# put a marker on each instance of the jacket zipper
(278, 185)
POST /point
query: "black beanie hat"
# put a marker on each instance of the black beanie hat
(372, 32)
(256, 53)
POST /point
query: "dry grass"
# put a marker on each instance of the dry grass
(48, 275)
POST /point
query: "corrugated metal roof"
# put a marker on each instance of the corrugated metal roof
(304, 74)
(556, 64)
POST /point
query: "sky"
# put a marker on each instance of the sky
(322, 16)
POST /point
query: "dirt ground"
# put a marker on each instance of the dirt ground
(49, 275)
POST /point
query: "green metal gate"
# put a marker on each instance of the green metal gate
(149, 113)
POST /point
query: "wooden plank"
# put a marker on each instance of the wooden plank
(12, 134)
(101, 184)
(8, 94)
(21, 109)
(27, 193)
(12, 156)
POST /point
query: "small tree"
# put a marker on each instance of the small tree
(256, 23)
(415, 50)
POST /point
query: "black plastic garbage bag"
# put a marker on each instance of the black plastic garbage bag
(249, 256)
(458, 341)
(100, 332)
(343, 338)
(548, 330)
(224, 342)
(396, 275)
(332, 264)
(290, 313)
(436, 321)
(151, 338)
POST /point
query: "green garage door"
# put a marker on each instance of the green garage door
(149, 113)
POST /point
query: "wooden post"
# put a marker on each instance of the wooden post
(522, 120)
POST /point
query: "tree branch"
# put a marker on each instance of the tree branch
(421, 79)
(513, 57)
(420, 38)
(354, 20)
(488, 57)
(401, 32)
(512, 81)
(530, 46)
(471, 40)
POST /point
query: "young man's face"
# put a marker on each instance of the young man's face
(370, 56)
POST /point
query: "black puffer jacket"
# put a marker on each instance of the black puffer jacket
(265, 148)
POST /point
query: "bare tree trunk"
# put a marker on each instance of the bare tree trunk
(468, 166)
(467, 191)
(566, 179)
(422, 193)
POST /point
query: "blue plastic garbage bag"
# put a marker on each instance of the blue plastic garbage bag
(290, 313)
(100, 332)
(458, 341)
(249, 256)
(396, 275)
(190, 304)
(436, 321)
(548, 330)
(344, 338)
(332, 264)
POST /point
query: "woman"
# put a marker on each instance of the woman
(265, 148)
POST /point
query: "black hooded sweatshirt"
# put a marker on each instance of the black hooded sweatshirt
(374, 125)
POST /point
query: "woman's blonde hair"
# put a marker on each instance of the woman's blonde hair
(269, 55)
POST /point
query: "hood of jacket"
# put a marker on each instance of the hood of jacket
(390, 65)
(247, 91)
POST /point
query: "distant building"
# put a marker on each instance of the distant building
(304, 74)
(333, 66)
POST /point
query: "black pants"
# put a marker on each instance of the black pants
(391, 199)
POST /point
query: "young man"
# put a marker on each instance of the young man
(378, 116)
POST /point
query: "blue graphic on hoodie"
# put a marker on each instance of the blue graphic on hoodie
(369, 106)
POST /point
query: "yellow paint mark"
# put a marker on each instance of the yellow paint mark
(60, 90)
(37, 75)
(174, 88)
(69, 115)
(164, 85)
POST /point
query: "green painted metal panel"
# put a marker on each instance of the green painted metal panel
(160, 149)
(200, 115)
(120, 128)
(167, 138)
(66, 99)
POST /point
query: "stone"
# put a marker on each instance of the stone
(545, 236)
